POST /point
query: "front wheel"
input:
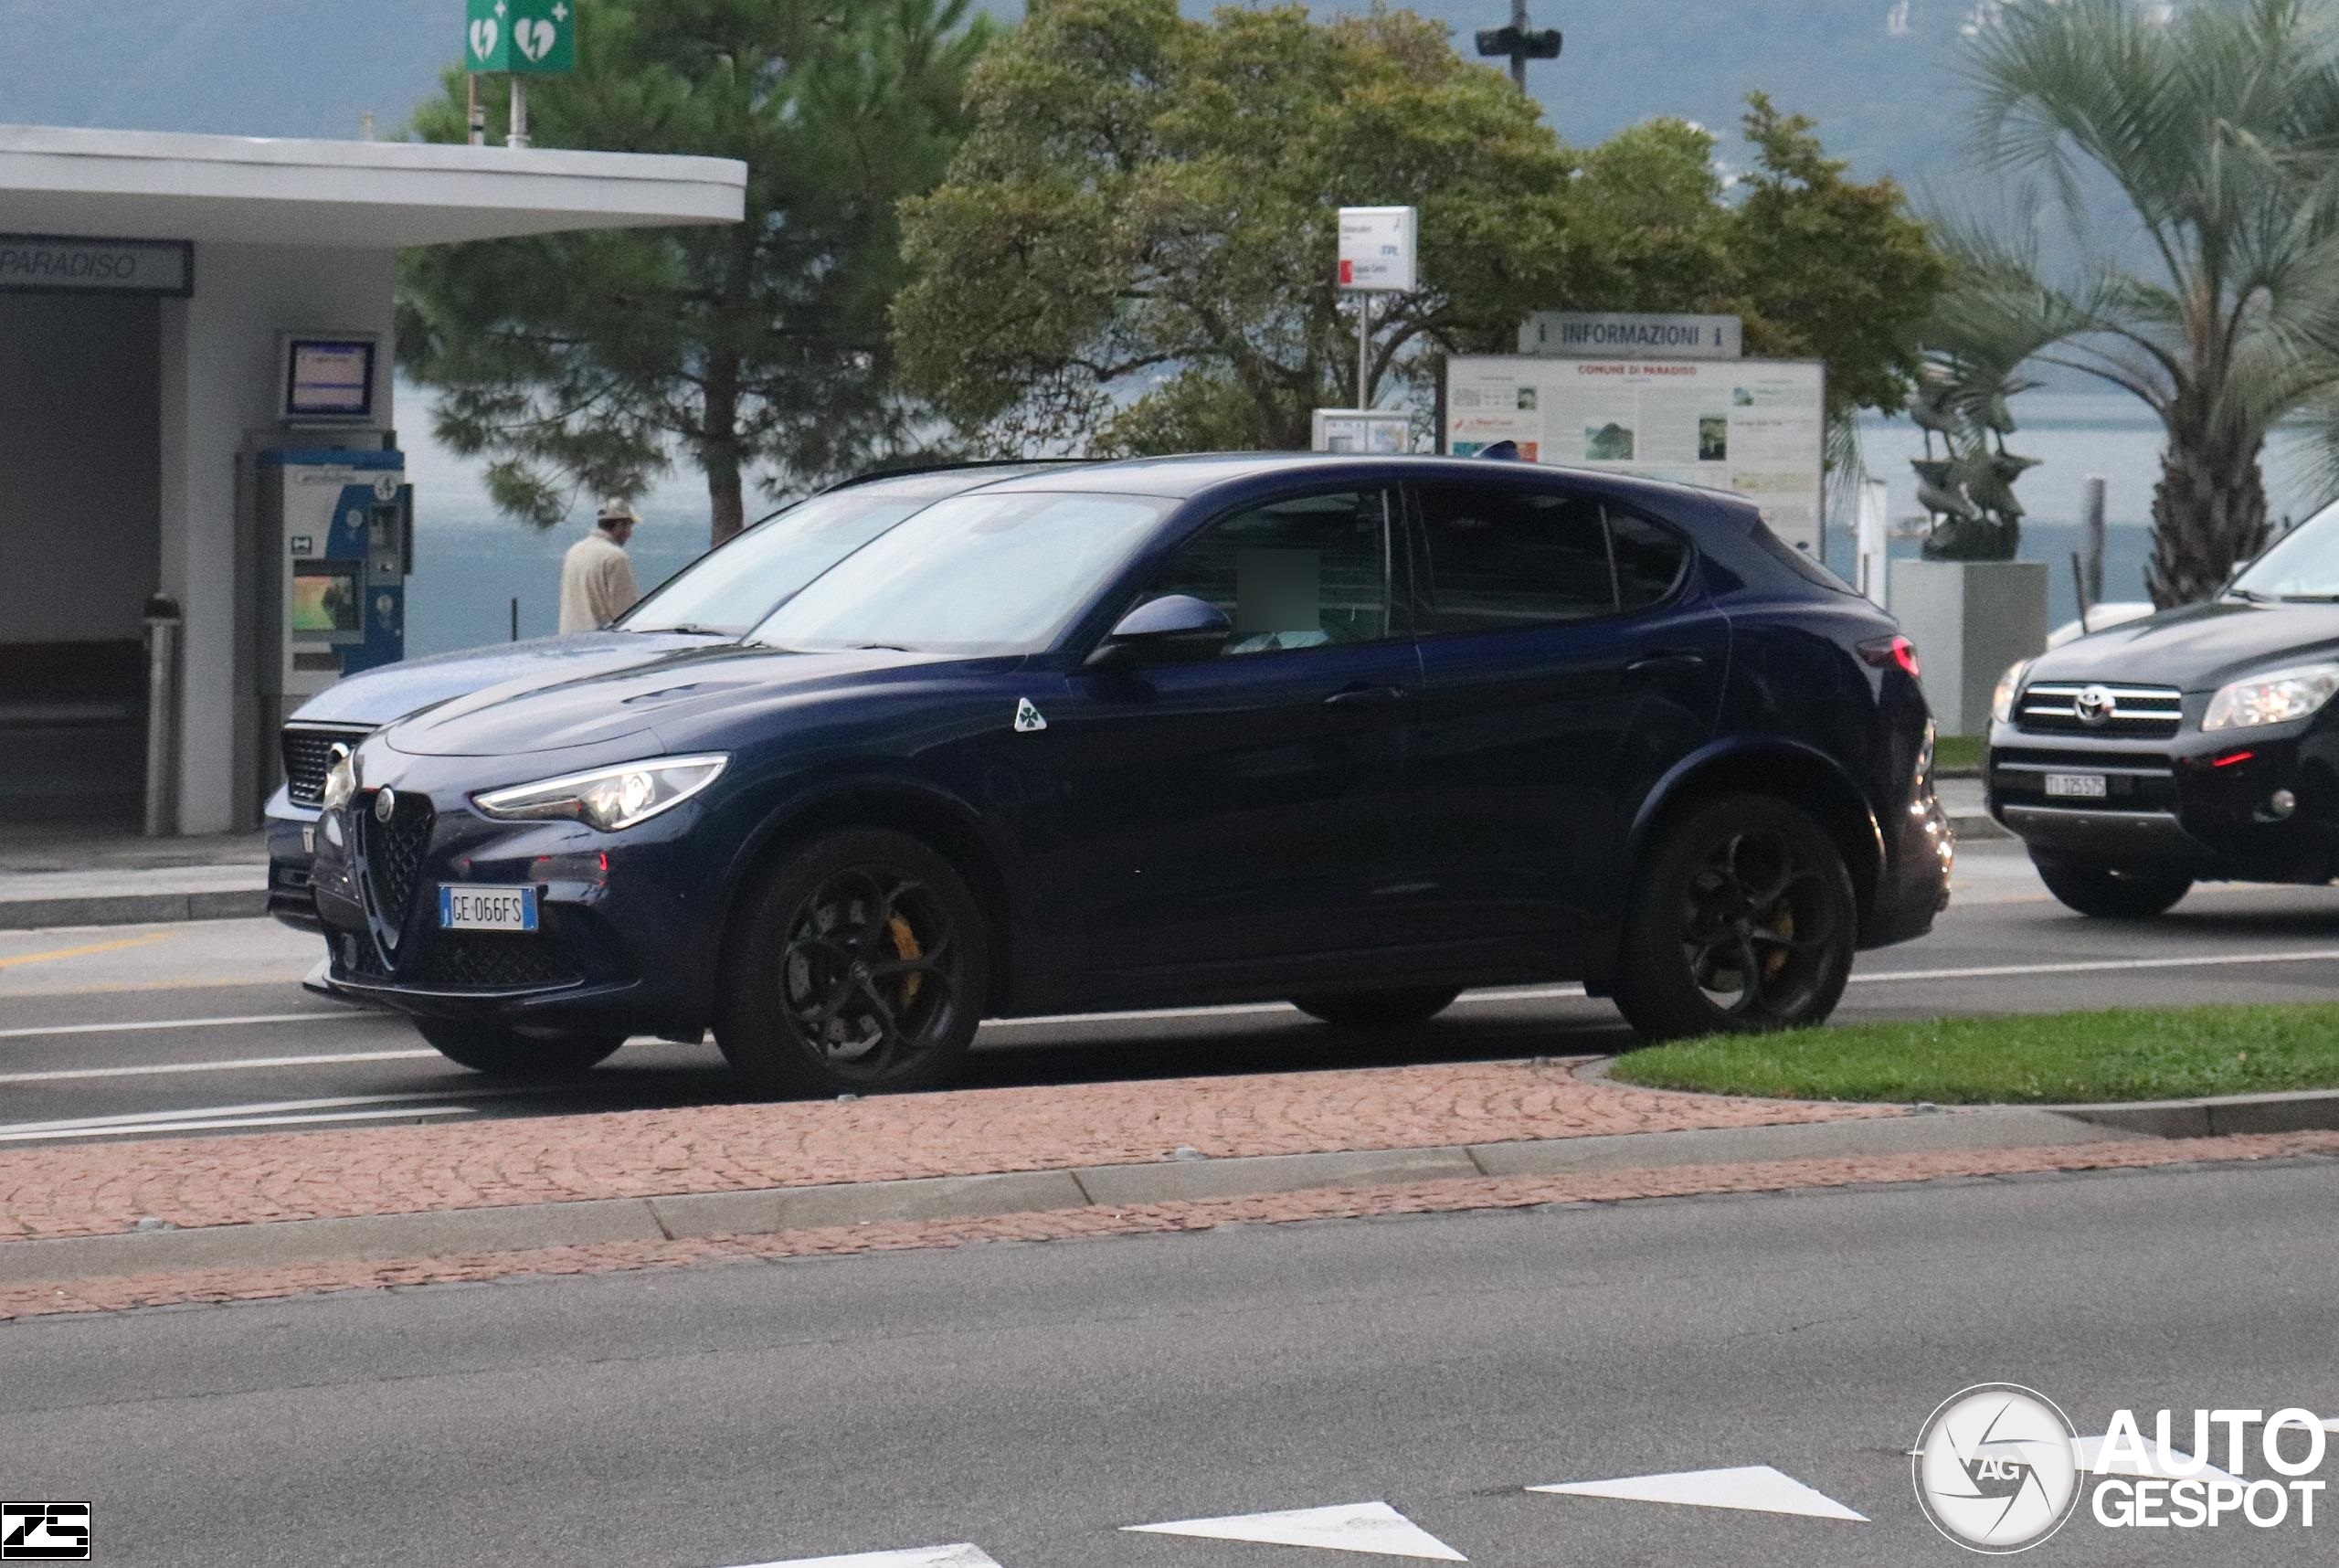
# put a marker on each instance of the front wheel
(2110, 892)
(1741, 921)
(1379, 1009)
(859, 967)
(502, 1053)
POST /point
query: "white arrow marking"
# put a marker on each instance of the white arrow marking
(1756, 1487)
(959, 1556)
(1373, 1527)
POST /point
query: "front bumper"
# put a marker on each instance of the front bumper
(626, 936)
(2202, 805)
(291, 832)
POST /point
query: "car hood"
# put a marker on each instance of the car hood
(377, 698)
(666, 693)
(2198, 647)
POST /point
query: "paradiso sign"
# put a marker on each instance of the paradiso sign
(54, 264)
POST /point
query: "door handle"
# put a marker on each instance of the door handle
(1365, 697)
(1667, 665)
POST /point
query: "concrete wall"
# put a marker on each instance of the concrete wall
(218, 368)
(79, 481)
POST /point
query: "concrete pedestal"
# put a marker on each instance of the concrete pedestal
(1969, 619)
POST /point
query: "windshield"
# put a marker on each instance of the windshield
(2301, 564)
(988, 573)
(731, 588)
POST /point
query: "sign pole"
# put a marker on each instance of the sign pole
(518, 135)
(1364, 351)
(475, 117)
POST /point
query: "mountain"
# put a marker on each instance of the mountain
(1877, 74)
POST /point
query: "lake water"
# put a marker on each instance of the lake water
(470, 564)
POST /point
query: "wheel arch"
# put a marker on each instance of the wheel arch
(936, 819)
(1801, 775)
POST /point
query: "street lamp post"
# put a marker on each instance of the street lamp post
(1521, 43)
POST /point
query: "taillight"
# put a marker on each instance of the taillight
(1889, 652)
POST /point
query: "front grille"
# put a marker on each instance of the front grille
(477, 960)
(2053, 707)
(308, 756)
(2133, 781)
(390, 854)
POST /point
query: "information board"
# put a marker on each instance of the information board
(1755, 426)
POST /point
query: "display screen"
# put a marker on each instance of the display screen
(327, 599)
(329, 378)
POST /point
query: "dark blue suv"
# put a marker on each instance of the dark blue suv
(1353, 732)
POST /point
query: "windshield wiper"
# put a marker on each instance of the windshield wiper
(2311, 599)
(2252, 595)
(877, 648)
(687, 629)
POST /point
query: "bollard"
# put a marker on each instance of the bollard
(162, 625)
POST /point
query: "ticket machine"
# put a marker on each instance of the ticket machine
(336, 537)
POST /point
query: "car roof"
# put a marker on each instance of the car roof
(938, 479)
(1182, 477)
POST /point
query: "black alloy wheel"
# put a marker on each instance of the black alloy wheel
(2111, 892)
(1363, 1009)
(1743, 921)
(503, 1052)
(859, 968)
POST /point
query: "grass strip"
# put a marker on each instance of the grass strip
(2063, 1058)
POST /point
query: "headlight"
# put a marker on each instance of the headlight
(341, 778)
(2009, 688)
(2276, 698)
(607, 798)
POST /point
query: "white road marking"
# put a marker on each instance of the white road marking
(959, 1556)
(237, 1122)
(1374, 1527)
(239, 1063)
(2100, 966)
(1757, 1488)
(262, 1107)
(135, 1025)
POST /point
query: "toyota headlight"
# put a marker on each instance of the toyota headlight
(606, 798)
(2275, 698)
(341, 778)
(2009, 688)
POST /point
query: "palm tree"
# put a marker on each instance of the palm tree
(2211, 136)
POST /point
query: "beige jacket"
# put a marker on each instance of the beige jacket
(595, 583)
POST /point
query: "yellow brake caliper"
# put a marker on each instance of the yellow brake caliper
(905, 944)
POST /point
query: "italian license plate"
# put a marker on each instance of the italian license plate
(2075, 786)
(462, 908)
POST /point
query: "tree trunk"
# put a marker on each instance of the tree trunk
(719, 449)
(2208, 510)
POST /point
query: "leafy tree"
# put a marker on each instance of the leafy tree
(2210, 134)
(1133, 249)
(592, 360)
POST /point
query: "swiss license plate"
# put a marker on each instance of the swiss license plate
(2075, 786)
(462, 908)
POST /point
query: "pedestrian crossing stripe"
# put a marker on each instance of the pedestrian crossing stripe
(959, 1556)
(1758, 1488)
(1373, 1527)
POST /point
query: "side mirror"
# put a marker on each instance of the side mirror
(1174, 629)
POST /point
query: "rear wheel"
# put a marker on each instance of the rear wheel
(1741, 921)
(1379, 1009)
(502, 1053)
(2110, 892)
(859, 967)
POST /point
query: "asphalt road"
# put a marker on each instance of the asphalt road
(1035, 1400)
(114, 1032)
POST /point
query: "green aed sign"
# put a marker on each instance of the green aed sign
(537, 37)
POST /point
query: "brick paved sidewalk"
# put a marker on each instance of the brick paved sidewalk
(107, 1189)
(220, 1284)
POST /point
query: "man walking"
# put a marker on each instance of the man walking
(596, 577)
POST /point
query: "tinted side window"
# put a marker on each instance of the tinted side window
(1300, 573)
(1649, 559)
(1501, 558)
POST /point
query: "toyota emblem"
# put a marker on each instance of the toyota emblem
(385, 804)
(2095, 707)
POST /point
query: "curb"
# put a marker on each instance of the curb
(588, 1222)
(2299, 1110)
(131, 908)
